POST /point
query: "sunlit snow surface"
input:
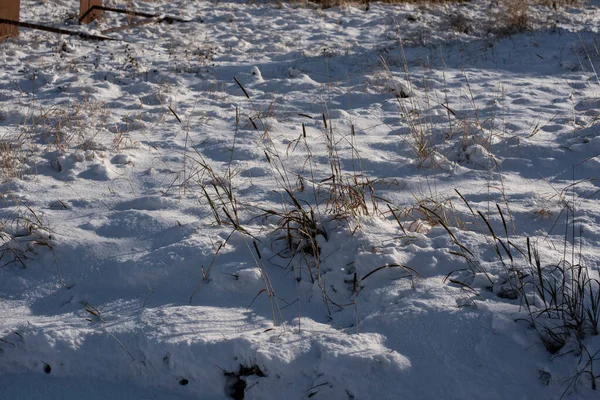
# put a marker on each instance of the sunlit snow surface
(102, 148)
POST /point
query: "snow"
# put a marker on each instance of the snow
(120, 279)
(39, 387)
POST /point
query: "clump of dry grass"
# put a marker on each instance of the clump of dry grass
(561, 299)
(22, 235)
(300, 229)
(312, 198)
(62, 127)
(14, 157)
(515, 16)
(508, 17)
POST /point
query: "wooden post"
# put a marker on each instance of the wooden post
(85, 5)
(9, 9)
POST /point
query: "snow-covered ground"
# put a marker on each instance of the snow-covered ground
(153, 186)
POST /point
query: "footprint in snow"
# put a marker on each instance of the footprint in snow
(148, 203)
(96, 172)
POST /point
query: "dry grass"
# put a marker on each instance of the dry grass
(517, 9)
(333, 3)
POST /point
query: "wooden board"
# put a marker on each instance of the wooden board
(9, 9)
(85, 5)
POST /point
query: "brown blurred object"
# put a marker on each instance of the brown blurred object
(9, 9)
(85, 5)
